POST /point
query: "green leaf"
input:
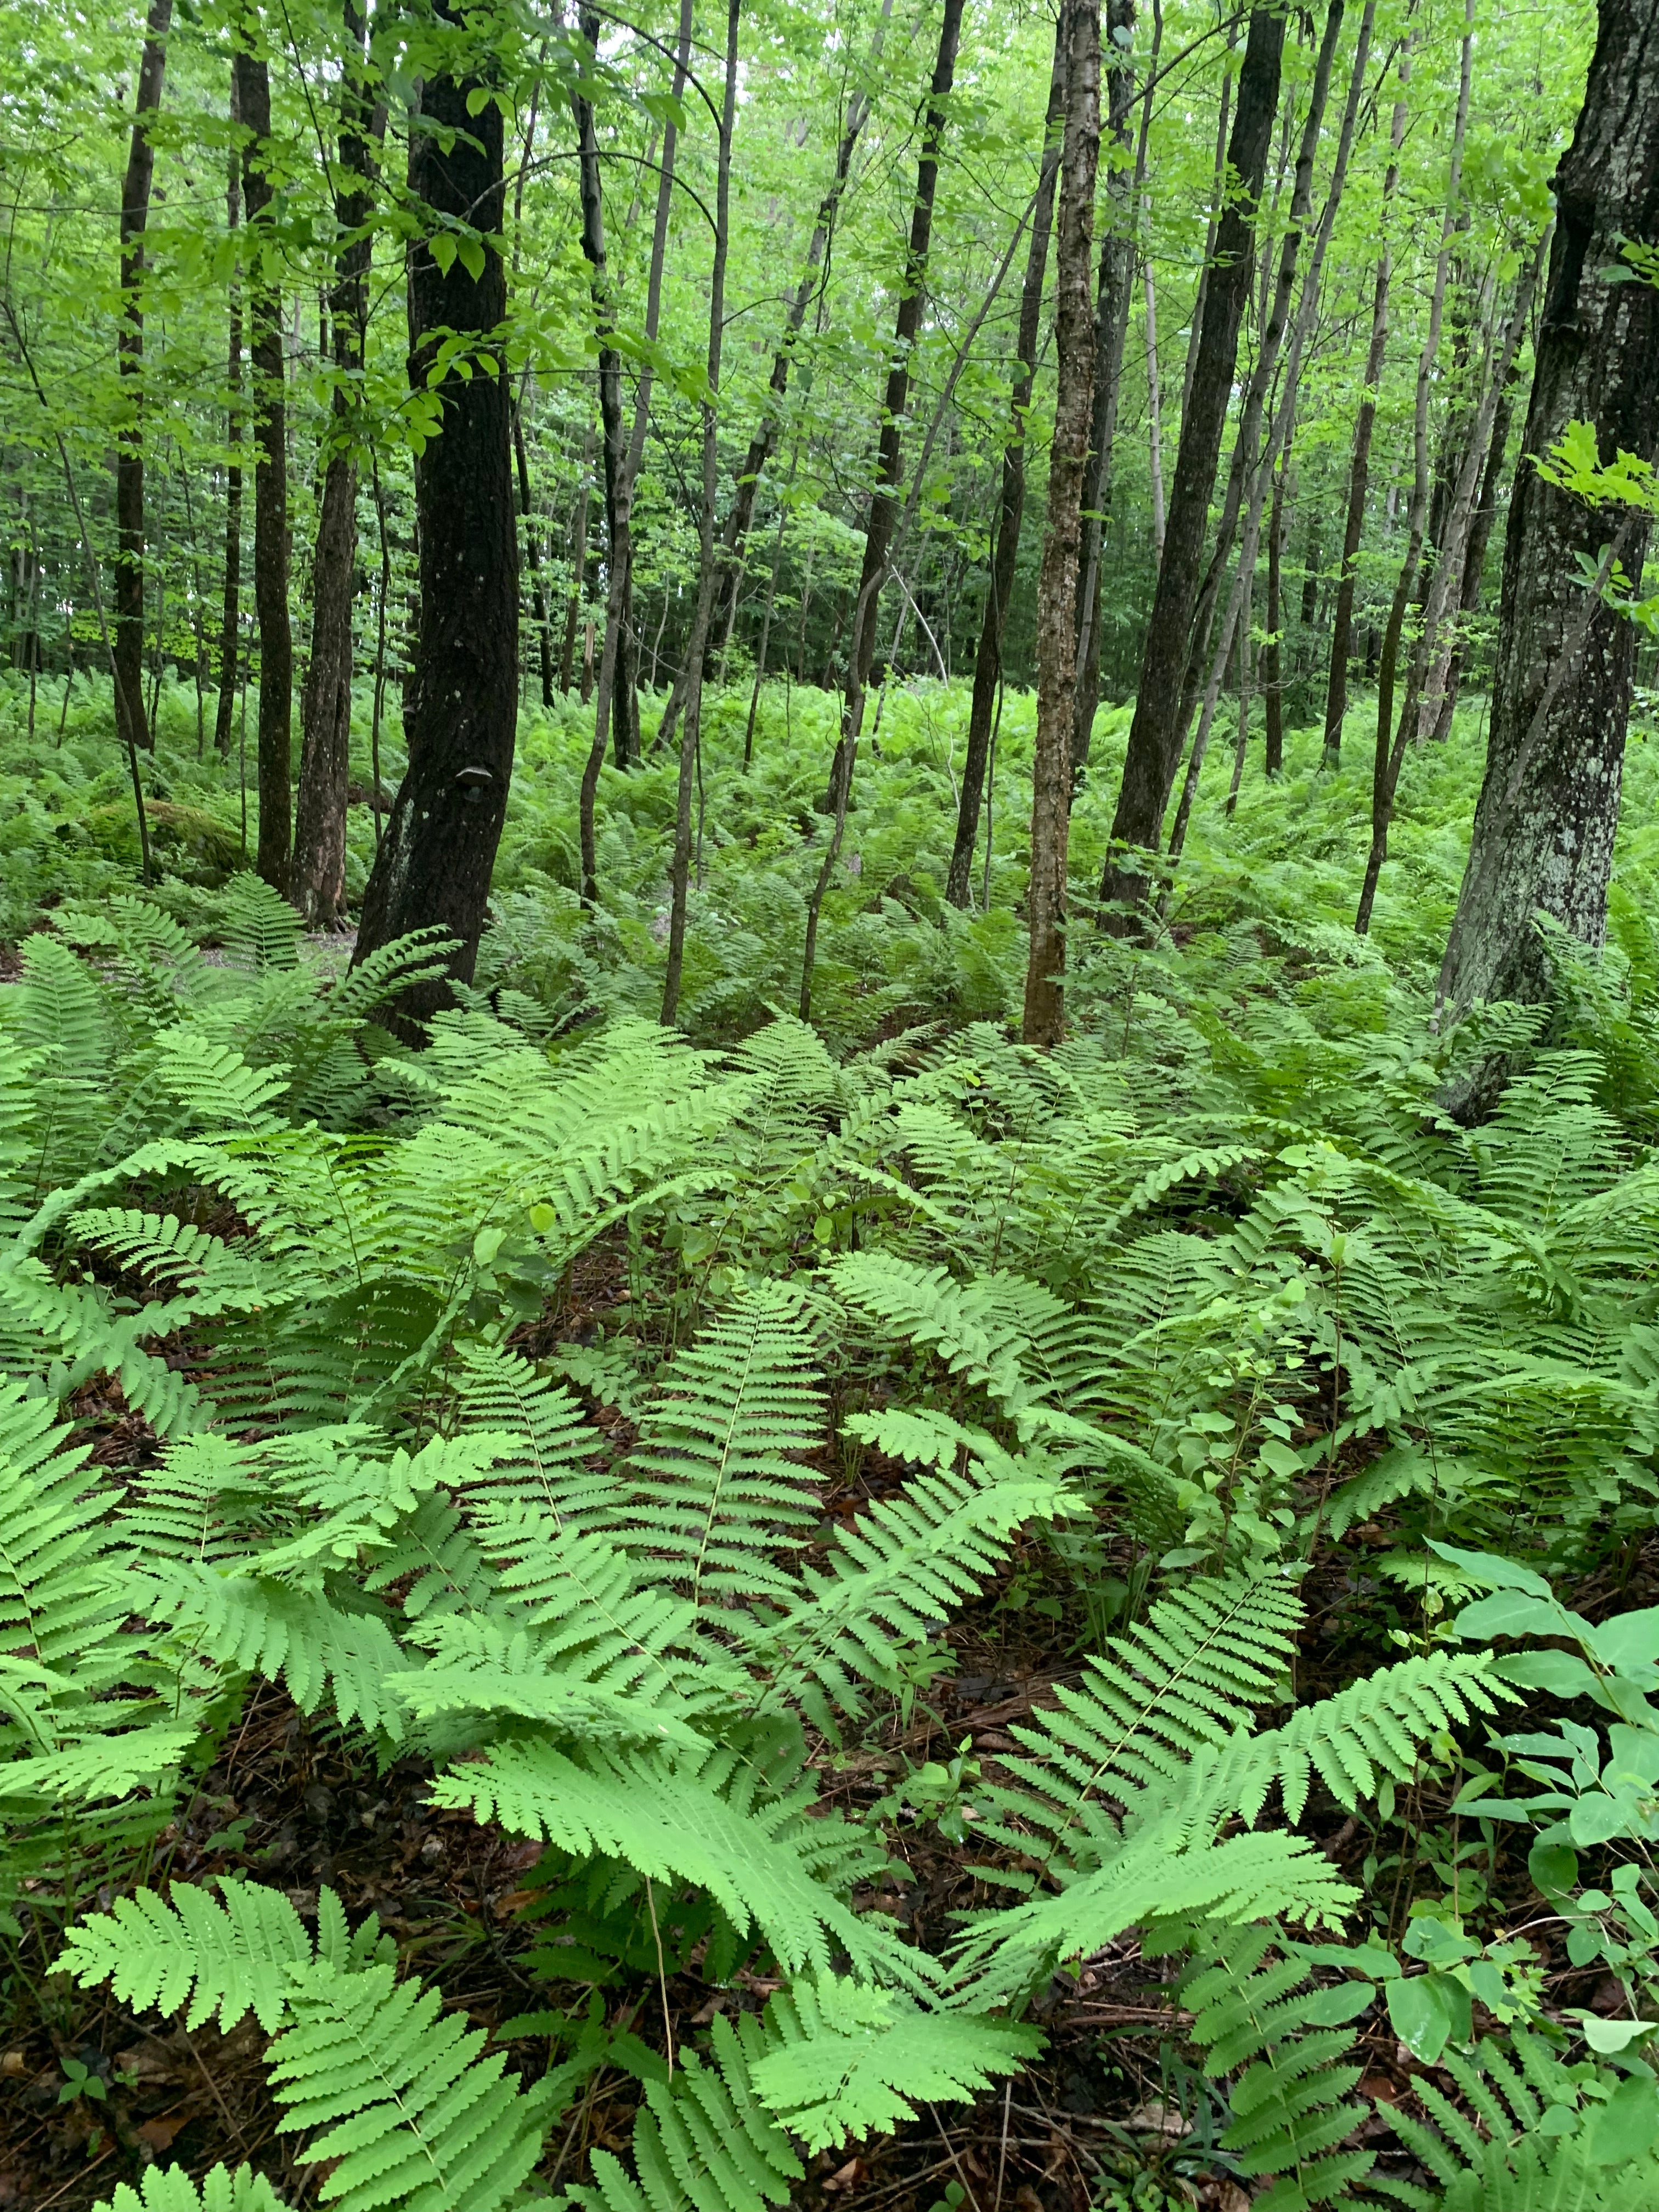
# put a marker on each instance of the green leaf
(1627, 2123)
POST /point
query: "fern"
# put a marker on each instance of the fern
(170, 2188)
(194, 1953)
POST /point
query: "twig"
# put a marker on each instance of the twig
(218, 2099)
(662, 1979)
(960, 2169)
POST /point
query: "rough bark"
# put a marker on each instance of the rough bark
(1154, 741)
(434, 863)
(319, 828)
(1057, 587)
(1548, 810)
(130, 354)
(1359, 467)
(275, 850)
(230, 615)
(885, 502)
(1111, 329)
(988, 662)
(708, 550)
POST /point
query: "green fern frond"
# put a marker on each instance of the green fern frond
(847, 2059)
(170, 2188)
(1377, 1726)
(215, 1085)
(260, 929)
(1188, 1678)
(549, 1460)
(192, 1953)
(412, 2112)
(58, 1601)
(702, 2142)
(960, 1321)
(722, 1489)
(1289, 2048)
(706, 1826)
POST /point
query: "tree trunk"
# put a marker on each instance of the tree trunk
(533, 546)
(434, 863)
(130, 354)
(230, 617)
(319, 833)
(1217, 197)
(578, 566)
(883, 503)
(1448, 674)
(1057, 587)
(1273, 697)
(1154, 735)
(1548, 810)
(1353, 529)
(708, 551)
(1111, 329)
(617, 546)
(275, 848)
(988, 662)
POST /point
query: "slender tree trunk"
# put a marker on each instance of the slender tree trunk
(130, 355)
(533, 546)
(617, 515)
(1272, 698)
(1217, 197)
(230, 617)
(1057, 587)
(1548, 810)
(708, 550)
(1112, 329)
(1273, 322)
(1474, 559)
(988, 663)
(883, 504)
(1155, 735)
(1144, 221)
(1353, 529)
(578, 565)
(434, 866)
(275, 848)
(319, 833)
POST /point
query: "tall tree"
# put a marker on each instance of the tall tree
(130, 353)
(231, 611)
(988, 662)
(319, 832)
(613, 433)
(1057, 587)
(708, 550)
(434, 863)
(1548, 810)
(884, 498)
(1359, 467)
(1155, 734)
(275, 849)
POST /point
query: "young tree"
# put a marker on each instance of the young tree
(434, 863)
(271, 549)
(1548, 810)
(318, 888)
(130, 354)
(231, 613)
(1057, 587)
(1155, 733)
(988, 663)
(884, 501)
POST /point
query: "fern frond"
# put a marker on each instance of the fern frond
(549, 1462)
(170, 2188)
(721, 1490)
(847, 2059)
(193, 1953)
(413, 2113)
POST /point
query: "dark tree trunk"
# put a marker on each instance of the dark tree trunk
(130, 354)
(1474, 557)
(1155, 733)
(578, 566)
(1272, 696)
(319, 832)
(1548, 810)
(883, 503)
(230, 617)
(1111, 329)
(533, 546)
(1057, 587)
(988, 664)
(434, 863)
(270, 492)
(617, 529)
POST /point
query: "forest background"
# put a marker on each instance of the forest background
(597, 608)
